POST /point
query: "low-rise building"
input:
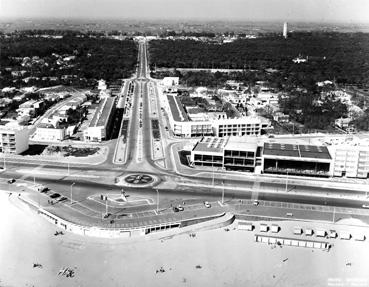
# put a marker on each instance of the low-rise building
(100, 125)
(48, 132)
(293, 159)
(13, 140)
(230, 153)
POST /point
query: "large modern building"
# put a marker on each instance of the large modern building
(100, 125)
(230, 153)
(309, 160)
(253, 154)
(182, 125)
(13, 140)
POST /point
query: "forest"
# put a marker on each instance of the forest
(95, 58)
(343, 57)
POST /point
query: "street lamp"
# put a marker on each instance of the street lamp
(287, 182)
(71, 192)
(223, 192)
(157, 201)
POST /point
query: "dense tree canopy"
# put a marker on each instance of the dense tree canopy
(95, 58)
(339, 56)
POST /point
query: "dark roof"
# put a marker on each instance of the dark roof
(176, 108)
(102, 112)
(298, 151)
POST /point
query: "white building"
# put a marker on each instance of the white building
(170, 84)
(13, 140)
(240, 126)
(351, 160)
(47, 132)
(99, 127)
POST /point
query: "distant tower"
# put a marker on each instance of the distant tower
(285, 29)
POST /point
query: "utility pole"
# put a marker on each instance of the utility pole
(287, 182)
(71, 192)
(106, 205)
(223, 191)
(157, 201)
(212, 183)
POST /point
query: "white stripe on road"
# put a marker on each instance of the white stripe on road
(35, 171)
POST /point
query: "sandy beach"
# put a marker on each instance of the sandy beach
(211, 258)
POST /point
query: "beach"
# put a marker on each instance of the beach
(209, 258)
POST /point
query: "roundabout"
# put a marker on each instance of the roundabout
(137, 180)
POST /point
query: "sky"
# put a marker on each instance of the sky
(349, 11)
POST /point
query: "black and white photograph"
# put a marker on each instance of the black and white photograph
(184, 143)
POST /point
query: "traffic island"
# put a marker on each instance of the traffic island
(137, 180)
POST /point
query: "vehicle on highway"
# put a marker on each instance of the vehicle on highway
(207, 204)
(61, 199)
(255, 202)
(42, 188)
(365, 205)
(12, 180)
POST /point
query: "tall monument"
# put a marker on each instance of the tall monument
(285, 29)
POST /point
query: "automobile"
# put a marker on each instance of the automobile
(61, 199)
(166, 128)
(255, 202)
(175, 209)
(180, 208)
(12, 180)
(55, 195)
(365, 205)
(207, 204)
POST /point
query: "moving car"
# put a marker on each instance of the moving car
(207, 204)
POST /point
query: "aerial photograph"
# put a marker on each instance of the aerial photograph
(184, 143)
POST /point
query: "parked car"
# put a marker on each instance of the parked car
(207, 204)
(12, 180)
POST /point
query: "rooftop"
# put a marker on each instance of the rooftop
(176, 108)
(298, 151)
(211, 144)
(102, 112)
(249, 143)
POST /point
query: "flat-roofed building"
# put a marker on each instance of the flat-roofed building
(209, 151)
(296, 159)
(212, 123)
(180, 122)
(351, 161)
(13, 140)
(241, 126)
(48, 132)
(240, 153)
(230, 153)
(100, 125)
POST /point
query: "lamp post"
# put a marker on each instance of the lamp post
(157, 201)
(71, 192)
(223, 191)
(287, 182)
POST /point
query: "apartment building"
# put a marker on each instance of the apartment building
(13, 140)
